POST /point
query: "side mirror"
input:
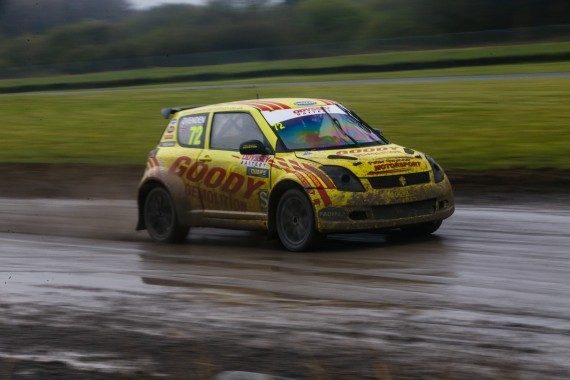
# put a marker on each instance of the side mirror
(253, 147)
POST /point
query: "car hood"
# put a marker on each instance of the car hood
(371, 161)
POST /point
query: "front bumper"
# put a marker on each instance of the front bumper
(381, 209)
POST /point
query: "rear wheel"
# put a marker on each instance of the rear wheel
(295, 221)
(160, 217)
(422, 228)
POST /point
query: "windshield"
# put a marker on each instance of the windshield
(319, 127)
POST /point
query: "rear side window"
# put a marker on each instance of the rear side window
(229, 130)
(191, 130)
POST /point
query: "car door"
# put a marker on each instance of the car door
(234, 186)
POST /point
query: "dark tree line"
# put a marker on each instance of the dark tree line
(37, 16)
(469, 15)
(37, 32)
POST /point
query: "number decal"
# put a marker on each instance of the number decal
(278, 126)
(196, 135)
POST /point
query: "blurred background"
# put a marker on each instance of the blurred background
(455, 78)
(52, 36)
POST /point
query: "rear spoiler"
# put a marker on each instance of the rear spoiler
(167, 112)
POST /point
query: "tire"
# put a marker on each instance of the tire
(160, 217)
(422, 228)
(295, 221)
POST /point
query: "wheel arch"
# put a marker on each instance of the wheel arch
(274, 197)
(143, 191)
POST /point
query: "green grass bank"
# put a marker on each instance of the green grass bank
(466, 125)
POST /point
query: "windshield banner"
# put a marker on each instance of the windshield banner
(278, 116)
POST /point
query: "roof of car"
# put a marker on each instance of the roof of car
(283, 103)
(271, 104)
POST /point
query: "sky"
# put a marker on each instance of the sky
(142, 4)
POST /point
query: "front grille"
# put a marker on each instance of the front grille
(400, 180)
(404, 210)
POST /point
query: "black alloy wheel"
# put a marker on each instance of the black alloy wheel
(295, 221)
(161, 219)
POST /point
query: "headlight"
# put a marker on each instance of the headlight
(343, 178)
(438, 174)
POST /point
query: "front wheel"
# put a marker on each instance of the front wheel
(422, 228)
(160, 217)
(295, 221)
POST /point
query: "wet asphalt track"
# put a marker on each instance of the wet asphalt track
(84, 296)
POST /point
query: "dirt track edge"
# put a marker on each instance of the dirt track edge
(84, 181)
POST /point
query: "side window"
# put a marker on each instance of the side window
(191, 130)
(229, 130)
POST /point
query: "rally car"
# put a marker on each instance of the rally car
(297, 168)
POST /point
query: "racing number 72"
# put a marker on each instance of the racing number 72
(196, 135)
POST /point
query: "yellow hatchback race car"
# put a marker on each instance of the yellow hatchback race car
(298, 168)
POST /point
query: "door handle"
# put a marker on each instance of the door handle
(205, 158)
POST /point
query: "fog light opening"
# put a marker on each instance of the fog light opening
(358, 215)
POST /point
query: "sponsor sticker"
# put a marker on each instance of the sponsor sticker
(390, 165)
(255, 161)
(311, 111)
(368, 151)
(167, 143)
(305, 103)
(332, 213)
(263, 199)
(215, 178)
(256, 172)
(194, 120)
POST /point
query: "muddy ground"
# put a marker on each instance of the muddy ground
(84, 296)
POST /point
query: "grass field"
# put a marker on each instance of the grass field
(425, 56)
(491, 124)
